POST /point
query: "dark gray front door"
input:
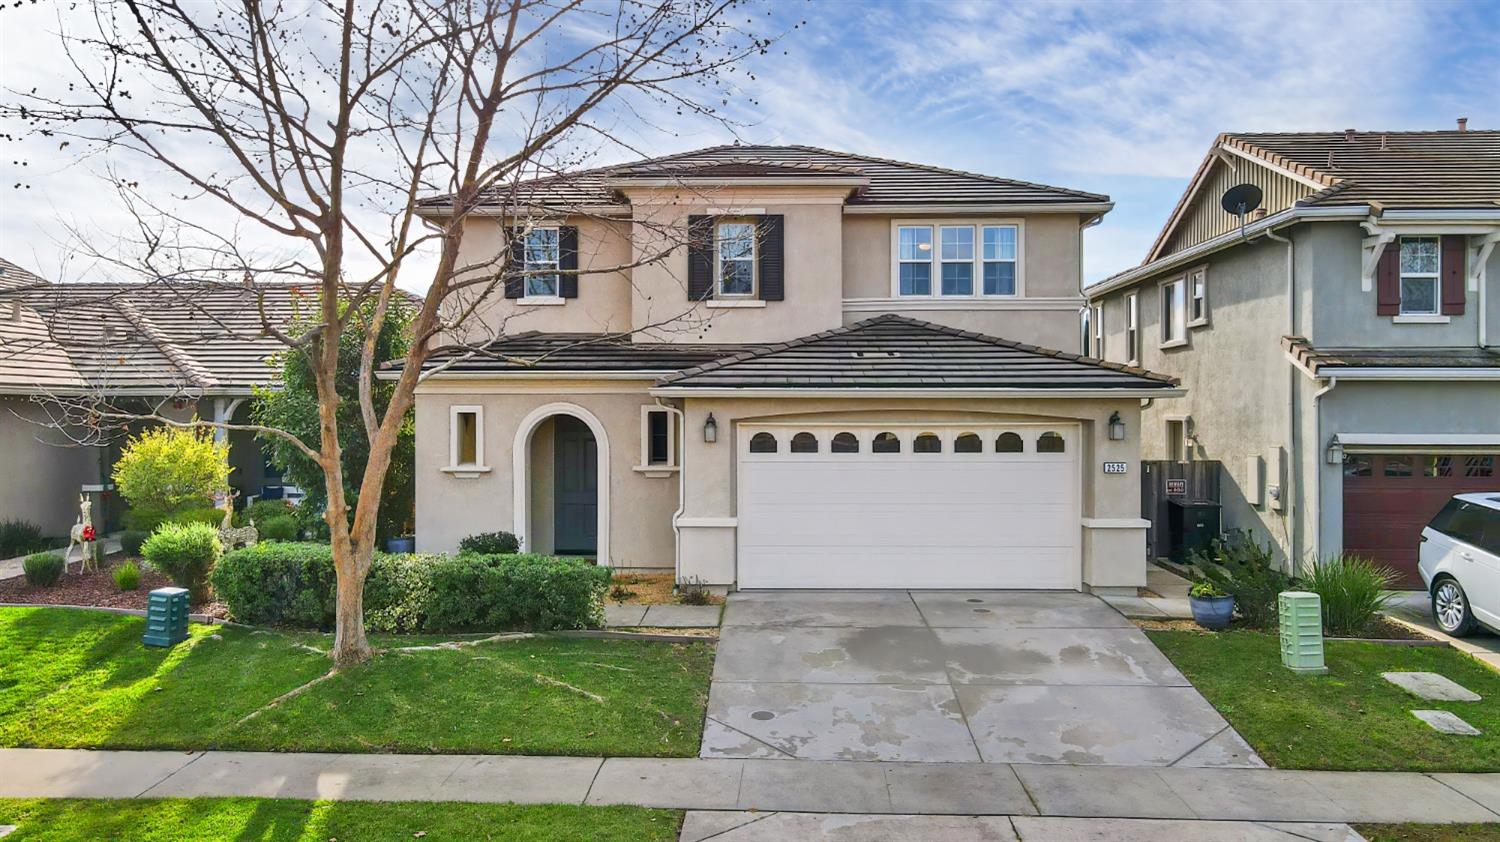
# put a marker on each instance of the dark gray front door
(576, 483)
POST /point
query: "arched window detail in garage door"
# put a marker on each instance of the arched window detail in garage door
(1049, 442)
(762, 443)
(845, 443)
(968, 443)
(1009, 443)
(804, 443)
(885, 443)
(927, 443)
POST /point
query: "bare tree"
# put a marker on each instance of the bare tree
(324, 125)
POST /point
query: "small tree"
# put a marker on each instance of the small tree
(166, 470)
(294, 408)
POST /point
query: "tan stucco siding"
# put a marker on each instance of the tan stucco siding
(40, 474)
(603, 302)
(450, 507)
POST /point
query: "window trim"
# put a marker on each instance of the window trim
(646, 466)
(976, 285)
(754, 259)
(466, 470)
(1096, 325)
(528, 267)
(1162, 288)
(1435, 277)
(1132, 328)
(1200, 272)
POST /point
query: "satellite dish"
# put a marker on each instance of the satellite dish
(1241, 200)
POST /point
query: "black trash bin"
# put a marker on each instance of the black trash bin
(1191, 524)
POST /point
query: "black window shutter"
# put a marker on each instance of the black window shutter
(567, 260)
(700, 257)
(771, 232)
(515, 282)
(1454, 255)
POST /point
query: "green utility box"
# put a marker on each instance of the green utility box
(1301, 619)
(166, 617)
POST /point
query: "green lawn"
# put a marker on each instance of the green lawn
(268, 820)
(1429, 832)
(1350, 718)
(82, 679)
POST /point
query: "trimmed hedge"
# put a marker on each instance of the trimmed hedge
(187, 552)
(43, 570)
(291, 584)
(279, 528)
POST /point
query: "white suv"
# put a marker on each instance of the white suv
(1460, 563)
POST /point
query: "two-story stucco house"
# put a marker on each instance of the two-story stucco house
(1339, 347)
(837, 378)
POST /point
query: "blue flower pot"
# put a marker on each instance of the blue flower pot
(401, 545)
(1213, 612)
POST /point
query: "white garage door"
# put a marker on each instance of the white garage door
(908, 506)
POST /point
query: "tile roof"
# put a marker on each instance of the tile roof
(890, 182)
(1450, 169)
(1317, 359)
(539, 352)
(895, 352)
(198, 336)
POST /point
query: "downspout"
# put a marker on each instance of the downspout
(1481, 273)
(1294, 457)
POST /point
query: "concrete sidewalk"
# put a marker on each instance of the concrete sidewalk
(935, 789)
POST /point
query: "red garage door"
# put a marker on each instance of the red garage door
(1388, 498)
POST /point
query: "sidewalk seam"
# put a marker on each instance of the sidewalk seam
(1484, 807)
(196, 757)
(594, 780)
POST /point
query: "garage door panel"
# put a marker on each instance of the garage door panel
(902, 567)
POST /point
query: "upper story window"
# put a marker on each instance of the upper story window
(1097, 321)
(1132, 329)
(734, 259)
(1197, 288)
(543, 253)
(1420, 276)
(1086, 330)
(1173, 312)
(967, 260)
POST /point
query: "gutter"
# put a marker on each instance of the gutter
(1050, 207)
(957, 394)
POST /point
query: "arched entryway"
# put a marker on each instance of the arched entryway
(561, 482)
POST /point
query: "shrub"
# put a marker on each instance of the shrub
(692, 591)
(294, 585)
(165, 470)
(186, 552)
(1238, 565)
(131, 541)
(1206, 590)
(279, 528)
(20, 536)
(261, 511)
(199, 514)
(42, 570)
(490, 543)
(127, 576)
(1352, 590)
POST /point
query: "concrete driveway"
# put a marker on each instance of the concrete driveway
(945, 676)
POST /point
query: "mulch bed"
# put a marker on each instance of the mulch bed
(648, 589)
(1382, 629)
(95, 589)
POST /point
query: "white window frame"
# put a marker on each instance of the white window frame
(1163, 290)
(1096, 324)
(719, 293)
(1196, 277)
(646, 466)
(1132, 329)
(529, 268)
(1085, 329)
(1435, 277)
(466, 470)
(936, 262)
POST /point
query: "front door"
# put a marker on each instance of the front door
(576, 484)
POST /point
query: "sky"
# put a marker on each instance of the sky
(1108, 97)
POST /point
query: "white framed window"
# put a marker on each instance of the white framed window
(932, 259)
(1085, 330)
(1177, 444)
(1421, 270)
(1173, 296)
(734, 258)
(1197, 291)
(543, 253)
(1132, 329)
(658, 439)
(466, 441)
(1097, 322)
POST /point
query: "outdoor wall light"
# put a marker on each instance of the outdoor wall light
(1116, 428)
(1335, 452)
(710, 429)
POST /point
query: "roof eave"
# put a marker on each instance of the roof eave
(1079, 207)
(1122, 393)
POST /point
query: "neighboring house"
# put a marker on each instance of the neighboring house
(1339, 349)
(835, 382)
(180, 349)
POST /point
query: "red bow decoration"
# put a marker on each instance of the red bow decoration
(88, 533)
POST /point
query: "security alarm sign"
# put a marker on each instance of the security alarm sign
(1115, 467)
(1176, 487)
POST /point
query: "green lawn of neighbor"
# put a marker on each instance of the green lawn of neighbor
(82, 679)
(1350, 718)
(280, 820)
(1429, 832)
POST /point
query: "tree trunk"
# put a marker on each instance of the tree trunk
(350, 646)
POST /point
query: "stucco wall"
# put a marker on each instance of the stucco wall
(709, 483)
(40, 474)
(449, 508)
